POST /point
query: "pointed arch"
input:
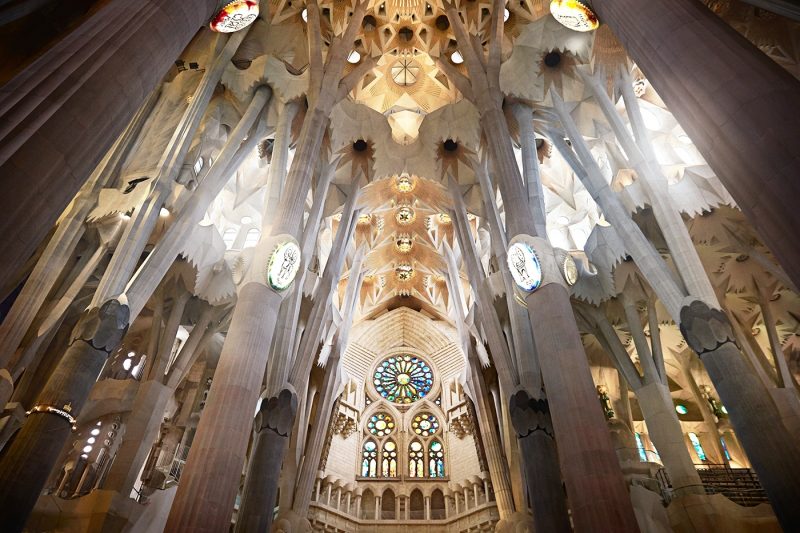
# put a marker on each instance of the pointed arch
(416, 459)
(437, 505)
(389, 459)
(368, 505)
(388, 505)
(369, 458)
(436, 458)
(417, 505)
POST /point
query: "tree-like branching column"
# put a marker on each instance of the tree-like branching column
(595, 486)
(210, 479)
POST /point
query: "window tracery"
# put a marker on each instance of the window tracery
(403, 379)
(369, 463)
(435, 459)
(381, 424)
(416, 459)
(425, 424)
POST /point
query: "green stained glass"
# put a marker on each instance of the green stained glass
(403, 379)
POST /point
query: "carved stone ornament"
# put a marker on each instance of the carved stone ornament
(283, 265)
(704, 328)
(277, 413)
(524, 266)
(529, 415)
(235, 16)
(104, 327)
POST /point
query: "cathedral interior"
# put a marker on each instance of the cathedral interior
(399, 266)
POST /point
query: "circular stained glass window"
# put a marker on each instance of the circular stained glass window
(380, 424)
(403, 378)
(425, 424)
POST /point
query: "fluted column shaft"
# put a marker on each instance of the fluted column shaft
(738, 106)
(60, 115)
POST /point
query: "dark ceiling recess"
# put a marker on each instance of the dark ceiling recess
(369, 23)
(442, 23)
(552, 59)
(450, 145)
(406, 34)
(360, 145)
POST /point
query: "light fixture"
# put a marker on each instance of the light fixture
(354, 57)
(506, 14)
(130, 354)
(87, 449)
(95, 432)
(90, 440)
(574, 14)
(456, 58)
(304, 15)
(164, 212)
(246, 220)
(681, 409)
(563, 220)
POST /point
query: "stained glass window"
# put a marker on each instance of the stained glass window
(389, 462)
(403, 379)
(425, 424)
(369, 464)
(640, 447)
(380, 424)
(416, 459)
(698, 448)
(436, 459)
(725, 448)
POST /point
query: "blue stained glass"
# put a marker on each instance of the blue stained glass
(698, 448)
(640, 447)
(403, 379)
(725, 448)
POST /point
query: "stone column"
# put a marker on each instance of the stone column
(723, 90)
(535, 433)
(62, 113)
(272, 425)
(427, 507)
(768, 444)
(210, 479)
(27, 462)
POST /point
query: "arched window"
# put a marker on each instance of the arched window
(437, 505)
(698, 448)
(229, 237)
(389, 460)
(369, 463)
(640, 447)
(435, 459)
(251, 238)
(416, 461)
(417, 505)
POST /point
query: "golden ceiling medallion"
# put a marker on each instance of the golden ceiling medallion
(404, 183)
(404, 272)
(405, 216)
(404, 243)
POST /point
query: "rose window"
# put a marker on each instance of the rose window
(403, 379)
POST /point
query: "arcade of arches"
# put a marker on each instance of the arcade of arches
(399, 266)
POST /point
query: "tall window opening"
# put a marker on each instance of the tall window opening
(369, 463)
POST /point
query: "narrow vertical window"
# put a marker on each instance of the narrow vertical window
(435, 459)
(640, 447)
(698, 448)
(369, 463)
(415, 459)
(389, 462)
